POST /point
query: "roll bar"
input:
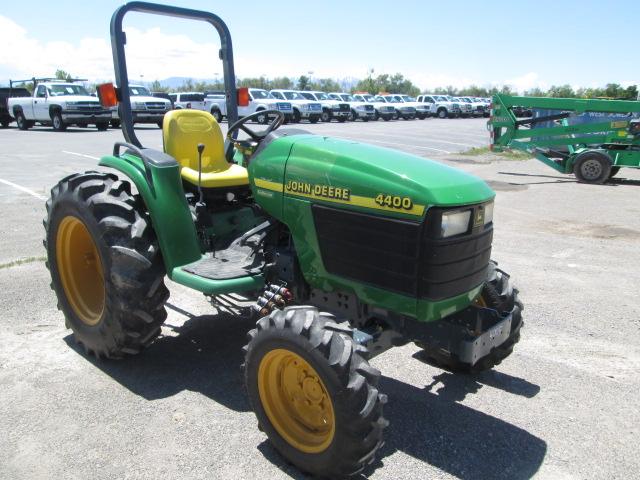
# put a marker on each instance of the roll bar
(119, 39)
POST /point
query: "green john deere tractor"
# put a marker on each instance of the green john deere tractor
(341, 250)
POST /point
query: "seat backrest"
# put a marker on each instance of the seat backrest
(184, 129)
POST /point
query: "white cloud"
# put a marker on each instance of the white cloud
(525, 82)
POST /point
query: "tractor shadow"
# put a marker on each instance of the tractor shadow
(202, 355)
(430, 424)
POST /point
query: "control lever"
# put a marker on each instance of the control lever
(200, 150)
(203, 218)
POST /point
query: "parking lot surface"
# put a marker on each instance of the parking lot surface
(563, 406)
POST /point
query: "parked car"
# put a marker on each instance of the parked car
(164, 95)
(440, 106)
(466, 110)
(145, 107)
(58, 104)
(5, 93)
(363, 110)
(423, 110)
(478, 109)
(382, 109)
(259, 100)
(303, 109)
(331, 108)
(194, 100)
(402, 110)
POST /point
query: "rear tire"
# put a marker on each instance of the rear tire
(325, 116)
(22, 122)
(497, 294)
(105, 265)
(296, 116)
(314, 118)
(442, 113)
(324, 408)
(353, 116)
(5, 123)
(216, 114)
(102, 126)
(592, 167)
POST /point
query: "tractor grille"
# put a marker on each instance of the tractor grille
(402, 256)
(344, 107)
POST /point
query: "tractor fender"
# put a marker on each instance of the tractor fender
(160, 187)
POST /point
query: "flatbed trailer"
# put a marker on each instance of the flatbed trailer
(593, 152)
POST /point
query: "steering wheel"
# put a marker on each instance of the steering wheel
(248, 147)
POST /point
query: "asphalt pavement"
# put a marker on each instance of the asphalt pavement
(563, 406)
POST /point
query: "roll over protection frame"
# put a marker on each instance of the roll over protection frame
(119, 39)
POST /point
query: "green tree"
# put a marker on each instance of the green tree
(561, 91)
(325, 85)
(303, 82)
(62, 75)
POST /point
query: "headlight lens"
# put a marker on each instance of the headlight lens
(305, 106)
(454, 223)
(488, 213)
(139, 105)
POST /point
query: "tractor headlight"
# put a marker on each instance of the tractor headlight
(488, 213)
(454, 223)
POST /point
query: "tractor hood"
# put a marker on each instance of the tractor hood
(374, 178)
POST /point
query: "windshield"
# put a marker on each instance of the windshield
(133, 91)
(369, 98)
(407, 98)
(380, 99)
(260, 94)
(442, 99)
(293, 96)
(346, 97)
(392, 100)
(66, 89)
(465, 100)
(322, 96)
(308, 95)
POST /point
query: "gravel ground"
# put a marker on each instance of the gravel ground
(564, 405)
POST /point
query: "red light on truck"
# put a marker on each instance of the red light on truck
(243, 97)
(107, 94)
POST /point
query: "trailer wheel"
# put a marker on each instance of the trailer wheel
(497, 293)
(105, 265)
(592, 167)
(314, 395)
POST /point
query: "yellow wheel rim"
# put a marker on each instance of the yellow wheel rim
(296, 401)
(80, 270)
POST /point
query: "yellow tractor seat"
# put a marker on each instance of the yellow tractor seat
(182, 131)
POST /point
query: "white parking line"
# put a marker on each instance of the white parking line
(424, 138)
(23, 189)
(80, 155)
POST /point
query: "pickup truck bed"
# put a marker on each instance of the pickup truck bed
(5, 94)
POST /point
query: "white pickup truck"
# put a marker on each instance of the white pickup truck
(303, 109)
(440, 106)
(362, 110)
(382, 109)
(330, 108)
(145, 107)
(402, 110)
(58, 104)
(259, 100)
(422, 109)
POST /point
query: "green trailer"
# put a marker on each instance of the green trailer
(593, 152)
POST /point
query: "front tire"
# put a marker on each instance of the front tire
(296, 116)
(216, 114)
(102, 126)
(325, 116)
(314, 395)
(105, 265)
(58, 122)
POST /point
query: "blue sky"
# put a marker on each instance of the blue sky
(522, 43)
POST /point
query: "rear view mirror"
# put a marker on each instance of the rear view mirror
(243, 97)
(107, 94)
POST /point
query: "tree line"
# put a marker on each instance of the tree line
(396, 83)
